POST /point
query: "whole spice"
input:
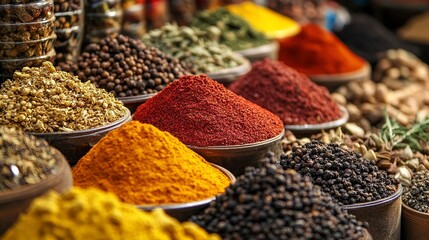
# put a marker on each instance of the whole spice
(102, 6)
(274, 25)
(269, 203)
(41, 99)
(11, 32)
(316, 51)
(290, 95)
(125, 67)
(67, 5)
(197, 53)
(93, 214)
(101, 25)
(201, 112)
(344, 174)
(24, 159)
(233, 31)
(377, 38)
(134, 21)
(163, 171)
(67, 45)
(416, 195)
(182, 11)
(27, 13)
(307, 11)
(26, 50)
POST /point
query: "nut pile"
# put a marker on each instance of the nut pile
(344, 174)
(41, 99)
(125, 67)
(269, 203)
(187, 45)
(416, 195)
(24, 159)
(400, 85)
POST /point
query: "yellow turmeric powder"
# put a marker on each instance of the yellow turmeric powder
(272, 24)
(144, 165)
(82, 214)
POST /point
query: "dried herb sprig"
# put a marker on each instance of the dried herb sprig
(398, 136)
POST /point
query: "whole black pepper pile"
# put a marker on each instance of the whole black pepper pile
(416, 195)
(125, 67)
(345, 175)
(269, 203)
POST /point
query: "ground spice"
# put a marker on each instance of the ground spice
(25, 159)
(287, 93)
(143, 165)
(274, 25)
(93, 214)
(316, 51)
(201, 112)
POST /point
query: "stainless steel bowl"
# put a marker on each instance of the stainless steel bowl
(269, 50)
(74, 145)
(383, 216)
(306, 130)
(229, 75)
(133, 102)
(236, 158)
(183, 211)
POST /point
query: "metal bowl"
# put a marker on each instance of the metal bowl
(229, 75)
(236, 158)
(16, 201)
(183, 211)
(414, 224)
(383, 216)
(269, 50)
(75, 144)
(306, 130)
(133, 102)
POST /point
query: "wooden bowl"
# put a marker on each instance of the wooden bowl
(16, 201)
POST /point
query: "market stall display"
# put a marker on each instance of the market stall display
(29, 168)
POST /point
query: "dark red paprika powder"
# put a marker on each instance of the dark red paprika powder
(201, 112)
(287, 93)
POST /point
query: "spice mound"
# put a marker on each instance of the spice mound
(269, 203)
(344, 174)
(229, 29)
(190, 46)
(201, 112)
(126, 67)
(290, 95)
(93, 214)
(41, 99)
(143, 165)
(416, 195)
(25, 159)
(316, 51)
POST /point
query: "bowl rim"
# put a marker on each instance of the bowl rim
(326, 125)
(241, 146)
(176, 206)
(86, 131)
(137, 98)
(239, 70)
(24, 191)
(414, 211)
(259, 50)
(397, 194)
(344, 77)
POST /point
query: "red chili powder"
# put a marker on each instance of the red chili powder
(317, 51)
(287, 93)
(202, 112)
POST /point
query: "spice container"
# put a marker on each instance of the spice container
(237, 157)
(133, 102)
(66, 20)
(27, 49)
(68, 44)
(182, 11)
(133, 23)
(156, 13)
(383, 216)
(229, 75)
(269, 50)
(102, 6)
(183, 211)
(22, 32)
(26, 13)
(102, 25)
(414, 224)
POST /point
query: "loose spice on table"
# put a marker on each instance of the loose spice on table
(143, 165)
(41, 99)
(24, 159)
(93, 214)
(126, 67)
(194, 51)
(316, 51)
(288, 94)
(416, 195)
(201, 112)
(344, 174)
(269, 203)
(233, 31)
(274, 25)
